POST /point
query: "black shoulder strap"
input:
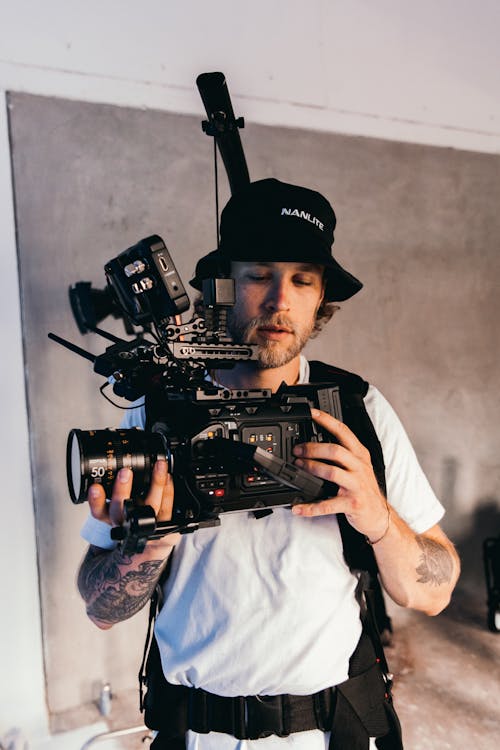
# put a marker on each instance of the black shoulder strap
(358, 553)
(321, 372)
(353, 388)
(155, 604)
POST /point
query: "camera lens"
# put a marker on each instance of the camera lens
(96, 456)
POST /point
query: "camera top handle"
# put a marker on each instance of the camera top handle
(223, 126)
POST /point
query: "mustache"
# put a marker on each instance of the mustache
(270, 321)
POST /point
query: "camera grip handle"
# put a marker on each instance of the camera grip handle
(137, 528)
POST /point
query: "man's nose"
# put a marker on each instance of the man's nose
(278, 298)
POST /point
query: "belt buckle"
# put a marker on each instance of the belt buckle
(264, 716)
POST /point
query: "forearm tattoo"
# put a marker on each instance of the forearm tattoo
(436, 564)
(113, 595)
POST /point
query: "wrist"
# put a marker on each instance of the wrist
(373, 540)
(165, 544)
(155, 549)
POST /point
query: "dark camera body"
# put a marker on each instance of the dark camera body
(236, 450)
(228, 451)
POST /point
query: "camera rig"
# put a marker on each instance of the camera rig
(228, 450)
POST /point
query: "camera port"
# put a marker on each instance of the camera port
(163, 263)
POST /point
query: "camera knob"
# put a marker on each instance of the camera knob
(138, 266)
(144, 285)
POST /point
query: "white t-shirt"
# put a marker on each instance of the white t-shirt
(266, 606)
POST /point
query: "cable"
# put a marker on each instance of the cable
(125, 408)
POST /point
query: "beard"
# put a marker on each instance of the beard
(270, 353)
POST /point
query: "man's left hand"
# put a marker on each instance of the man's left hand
(347, 463)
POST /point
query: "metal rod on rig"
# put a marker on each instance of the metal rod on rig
(106, 334)
(223, 126)
(72, 347)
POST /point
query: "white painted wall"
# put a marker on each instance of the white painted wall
(425, 72)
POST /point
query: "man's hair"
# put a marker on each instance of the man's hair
(326, 311)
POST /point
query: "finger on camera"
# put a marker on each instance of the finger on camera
(97, 502)
(336, 474)
(332, 452)
(340, 430)
(122, 489)
(326, 507)
(167, 501)
(159, 480)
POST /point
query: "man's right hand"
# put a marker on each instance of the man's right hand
(113, 586)
(160, 497)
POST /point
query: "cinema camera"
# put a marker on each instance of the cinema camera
(227, 450)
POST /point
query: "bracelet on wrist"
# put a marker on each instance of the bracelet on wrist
(376, 541)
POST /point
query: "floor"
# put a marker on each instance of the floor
(447, 677)
(447, 685)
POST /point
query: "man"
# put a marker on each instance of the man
(267, 607)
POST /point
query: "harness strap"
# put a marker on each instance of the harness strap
(160, 743)
(155, 604)
(255, 717)
(348, 711)
(353, 711)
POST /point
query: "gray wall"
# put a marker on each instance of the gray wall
(419, 225)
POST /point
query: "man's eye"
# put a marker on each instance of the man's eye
(256, 277)
(303, 282)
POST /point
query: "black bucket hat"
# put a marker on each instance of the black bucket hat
(269, 220)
